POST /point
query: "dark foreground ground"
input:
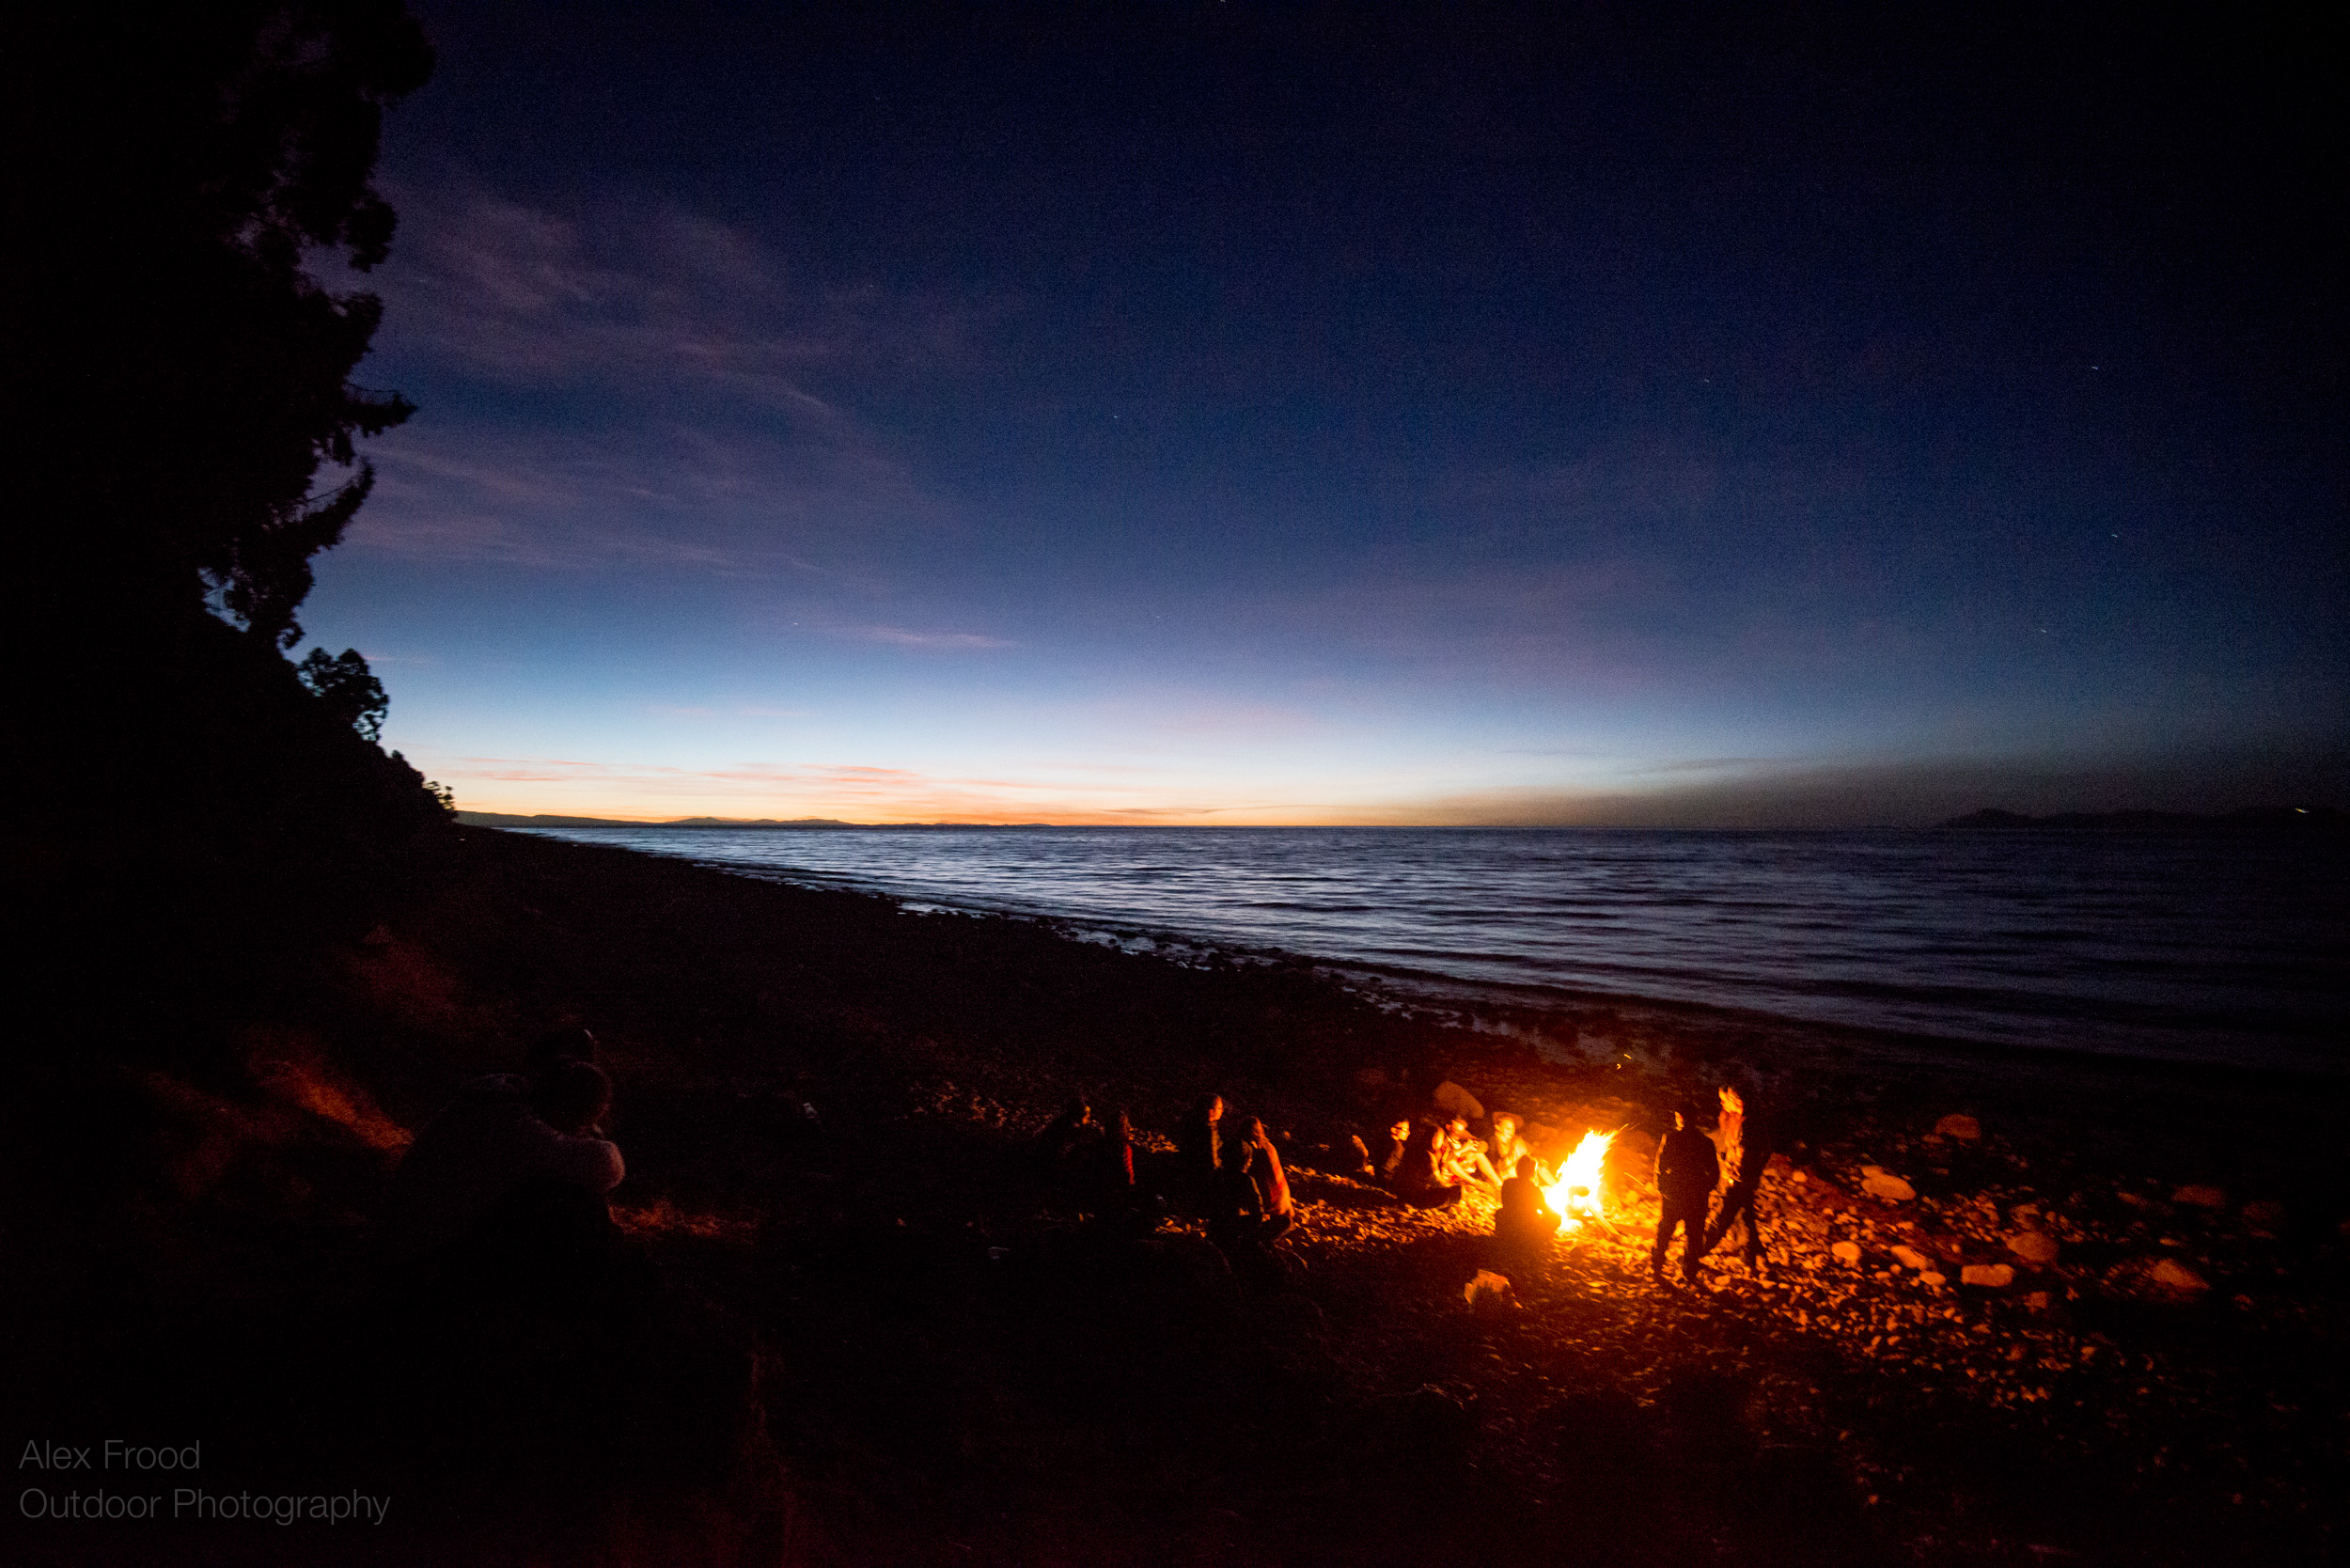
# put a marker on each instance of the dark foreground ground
(875, 1335)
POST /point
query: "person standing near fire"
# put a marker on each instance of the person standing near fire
(1746, 1147)
(1686, 1170)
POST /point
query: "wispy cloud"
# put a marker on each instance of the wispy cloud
(627, 293)
(1715, 765)
(639, 387)
(738, 503)
(897, 636)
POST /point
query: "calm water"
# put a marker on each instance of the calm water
(2206, 948)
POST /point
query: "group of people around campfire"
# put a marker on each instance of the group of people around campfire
(1235, 1178)
(518, 1167)
(1226, 1169)
(1429, 1163)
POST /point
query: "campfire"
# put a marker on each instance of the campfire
(1576, 1195)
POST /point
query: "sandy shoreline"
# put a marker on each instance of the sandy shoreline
(950, 1366)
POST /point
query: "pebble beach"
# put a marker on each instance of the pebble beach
(2043, 1311)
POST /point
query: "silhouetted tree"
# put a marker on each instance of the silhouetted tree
(350, 689)
(184, 436)
(178, 373)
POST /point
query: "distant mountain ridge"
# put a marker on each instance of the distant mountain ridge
(2252, 819)
(508, 819)
(504, 819)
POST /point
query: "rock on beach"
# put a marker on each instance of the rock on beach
(1452, 1099)
(2036, 1247)
(1988, 1277)
(1879, 1183)
(1962, 1127)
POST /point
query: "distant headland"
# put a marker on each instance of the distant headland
(2252, 819)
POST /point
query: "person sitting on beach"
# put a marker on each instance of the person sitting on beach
(1509, 1146)
(1464, 1156)
(1200, 1145)
(1066, 1138)
(1233, 1202)
(1524, 1224)
(552, 1049)
(1276, 1212)
(1686, 1170)
(1387, 1161)
(506, 1139)
(1426, 1179)
(1383, 1166)
(1117, 1193)
(1115, 1156)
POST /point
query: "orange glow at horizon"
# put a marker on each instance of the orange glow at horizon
(875, 796)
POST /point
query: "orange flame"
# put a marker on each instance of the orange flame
(1577, 1195)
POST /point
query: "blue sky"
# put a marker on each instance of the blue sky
(1165, 419)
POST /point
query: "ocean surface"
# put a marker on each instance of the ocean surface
(2224, 949)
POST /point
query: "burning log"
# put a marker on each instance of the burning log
(1577, 1195)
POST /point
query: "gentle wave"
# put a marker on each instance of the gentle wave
(2210, 949)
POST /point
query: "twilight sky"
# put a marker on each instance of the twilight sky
(1251, 413)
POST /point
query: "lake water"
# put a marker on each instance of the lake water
(2202, 949)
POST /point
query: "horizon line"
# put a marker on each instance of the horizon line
(1987, 815)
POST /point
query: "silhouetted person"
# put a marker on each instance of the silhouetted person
(1276, 1212)
(1686, 1170)
(504, 1137)
(1117, 1194)
(1115, 1156)
(1746, 1145)
(1523, 1224)
(503, 1195)
(1061, 1147)
(557, 1046)
(1199, 1146)
(1426, 1180)
(537, 1330)
(1387, 1156)
(1233, 1205)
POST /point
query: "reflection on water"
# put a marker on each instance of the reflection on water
(2214, 949)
